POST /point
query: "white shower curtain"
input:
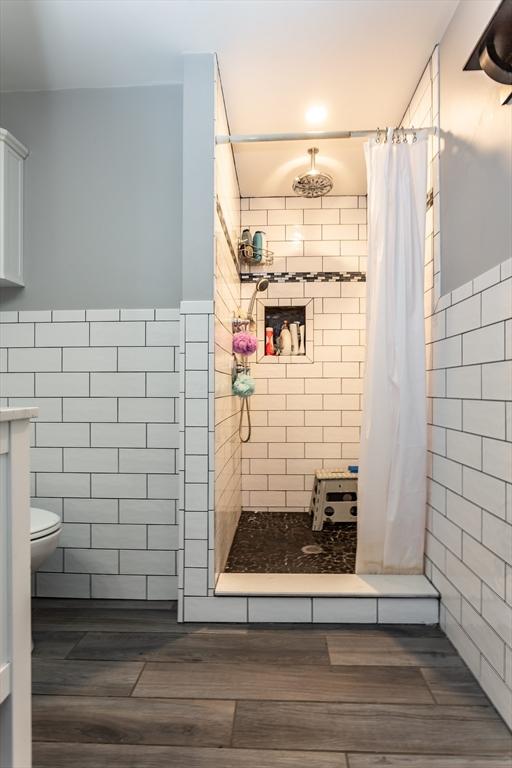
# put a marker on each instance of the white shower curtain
(392, 464)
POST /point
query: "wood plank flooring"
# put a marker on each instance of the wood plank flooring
(123, 685)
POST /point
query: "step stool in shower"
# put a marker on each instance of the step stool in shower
(334, 498)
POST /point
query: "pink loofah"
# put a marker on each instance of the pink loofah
(244, 343)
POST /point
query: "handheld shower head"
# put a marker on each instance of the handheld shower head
(261, 285)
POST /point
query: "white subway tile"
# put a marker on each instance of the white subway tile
(107, 536)
(117, 334)
(497, 303)
(499, 693)
(118, 435)
(195, 581)
(344, 610)
(497, 458)
(447, 413)
(62, 384)
(146, 359)
(463, 292)
(162, 334)
(463, 513)
(137, 314)
(483, 417)
(162, 587)
(112, 486)
(154, 409)
(90, 359)
(464, 579)
(102, 314)
(484, 563)
(464, 382)
(497, 613)
(447, 352)
(35, 316)
(17, 385)
(68, 315)
(135, 561)
(447, 473)
(497, 536)
(163, 487)
(15, 335)
(91, 561)
(153, 460)
(90, 510)
(340, 201)
(63, 484)
(487, 279)
(463, 316)
(280, 609)
(484, 637)
(484, 345)
(162, 384)
(488, 492)
(90, 460)
(497, 381)
(118, 587)
(62, 334)
(161, 436)
(464, 448)
(46, 460)
(339, 232)
(148, 511)
(89, 409)
(63, 585)
(408, 610)
(62, 435)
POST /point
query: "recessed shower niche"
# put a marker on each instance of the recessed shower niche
(285, 330)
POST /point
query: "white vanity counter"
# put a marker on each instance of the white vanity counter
(15, 629)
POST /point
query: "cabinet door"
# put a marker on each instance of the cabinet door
(11, 217)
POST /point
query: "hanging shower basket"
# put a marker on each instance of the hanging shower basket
(246, 254)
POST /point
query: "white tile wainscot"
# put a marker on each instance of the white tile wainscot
(469, 521)
(104, 449)
(15, 620)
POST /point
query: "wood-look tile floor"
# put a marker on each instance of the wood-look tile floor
(123, 685)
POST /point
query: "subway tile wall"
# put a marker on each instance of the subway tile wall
(307, 415)
(469, 384)
(469, 528)
(104, 447)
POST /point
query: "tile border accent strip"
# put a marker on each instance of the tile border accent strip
(304, 277)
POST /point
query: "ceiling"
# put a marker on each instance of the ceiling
(359, 58)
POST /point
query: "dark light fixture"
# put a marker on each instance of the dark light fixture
(493, 52)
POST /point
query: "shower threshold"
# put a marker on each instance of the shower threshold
(348, 585)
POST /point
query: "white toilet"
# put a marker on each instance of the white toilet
(45, 528)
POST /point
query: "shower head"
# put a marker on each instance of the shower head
(261, 285)
(313, 183)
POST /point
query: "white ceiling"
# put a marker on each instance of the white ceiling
(360, 58)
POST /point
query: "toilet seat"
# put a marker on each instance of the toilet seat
(43, 523)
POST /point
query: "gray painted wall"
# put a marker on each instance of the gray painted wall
(103, 198)
(476, 156)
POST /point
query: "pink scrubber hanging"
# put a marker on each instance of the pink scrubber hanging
(244, 343)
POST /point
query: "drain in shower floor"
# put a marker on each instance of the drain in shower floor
(312, 549)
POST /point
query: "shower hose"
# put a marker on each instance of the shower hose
(247, 408)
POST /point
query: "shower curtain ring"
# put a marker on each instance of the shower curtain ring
(378, 139)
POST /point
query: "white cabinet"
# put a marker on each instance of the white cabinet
(12, 156)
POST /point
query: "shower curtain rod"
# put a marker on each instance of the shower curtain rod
(310, 135)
